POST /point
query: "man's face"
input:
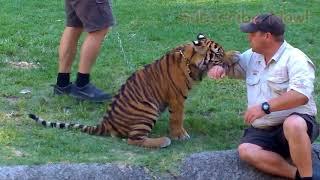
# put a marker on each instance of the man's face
(257, 41)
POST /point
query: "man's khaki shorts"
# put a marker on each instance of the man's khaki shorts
(92, 15)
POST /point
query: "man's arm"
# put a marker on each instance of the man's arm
(287, 100)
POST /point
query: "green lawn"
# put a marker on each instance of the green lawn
(30, 31)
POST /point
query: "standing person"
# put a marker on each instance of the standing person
(94, 17)
(281, 108)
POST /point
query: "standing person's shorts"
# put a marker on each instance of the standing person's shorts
(92, 15)
(273, 139)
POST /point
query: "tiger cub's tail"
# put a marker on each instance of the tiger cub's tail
(93, 130)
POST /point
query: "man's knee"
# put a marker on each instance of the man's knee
(99, 33)
(294, 125)
(247, 150)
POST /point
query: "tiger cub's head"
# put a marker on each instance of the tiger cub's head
(203, 54)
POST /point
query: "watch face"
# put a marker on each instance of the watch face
(265, 106)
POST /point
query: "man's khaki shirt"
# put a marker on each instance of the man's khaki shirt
(289, 69)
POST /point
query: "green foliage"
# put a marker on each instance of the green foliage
(146, 29)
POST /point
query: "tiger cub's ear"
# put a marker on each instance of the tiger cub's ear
(199, 41)
(196, 43)
(201, 36)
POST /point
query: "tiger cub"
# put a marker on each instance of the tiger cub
(147, 92)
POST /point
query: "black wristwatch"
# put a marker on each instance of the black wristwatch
(265, 107)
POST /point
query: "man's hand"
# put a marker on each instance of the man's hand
(216, 72)
(232, 57)
(253, 113)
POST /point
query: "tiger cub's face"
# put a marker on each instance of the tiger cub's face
(211, 53)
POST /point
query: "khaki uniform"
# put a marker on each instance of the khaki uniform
(289, 69)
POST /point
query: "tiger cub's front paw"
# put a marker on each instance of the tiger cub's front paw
(180, 134)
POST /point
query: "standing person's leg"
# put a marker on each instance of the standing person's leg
(67, 52)
(89, 52)
(67, 49)
(97, 18)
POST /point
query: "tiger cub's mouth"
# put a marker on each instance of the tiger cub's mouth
(205, 65)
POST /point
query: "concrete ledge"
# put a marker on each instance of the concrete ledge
(227, 165)
(205, 165)
(73, 172)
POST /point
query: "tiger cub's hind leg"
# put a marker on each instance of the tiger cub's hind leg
(150, 142)
(139, 136)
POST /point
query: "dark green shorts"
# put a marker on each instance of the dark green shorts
(92, 15)
(273, 139)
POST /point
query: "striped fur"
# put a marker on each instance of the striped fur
(146, 93)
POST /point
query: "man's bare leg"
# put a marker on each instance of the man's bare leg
(295, 130)
(90, 50)
(68, 48)
(266, 161)
(67, 52)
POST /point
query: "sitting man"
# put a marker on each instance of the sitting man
(281, 108)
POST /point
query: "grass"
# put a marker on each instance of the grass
(30, 31)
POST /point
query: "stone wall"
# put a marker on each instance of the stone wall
(218, 165)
